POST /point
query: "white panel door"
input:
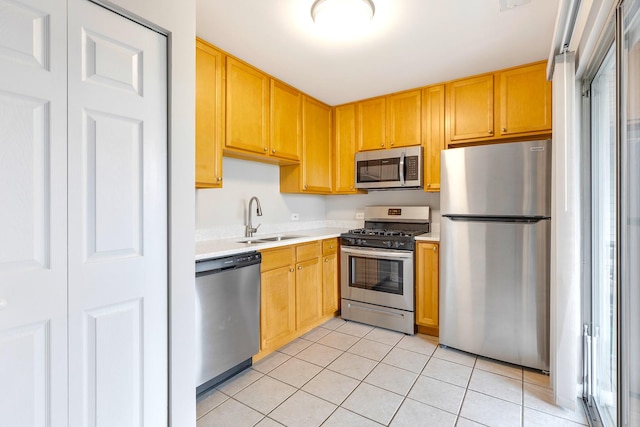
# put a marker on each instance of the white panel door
(117, 221)
(33, 213)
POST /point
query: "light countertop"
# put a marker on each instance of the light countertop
(433, 236)
(232, 246)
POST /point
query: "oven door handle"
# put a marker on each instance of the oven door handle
(377, 253)
(374, 310)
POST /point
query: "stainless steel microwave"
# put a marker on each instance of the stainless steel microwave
(387, 169)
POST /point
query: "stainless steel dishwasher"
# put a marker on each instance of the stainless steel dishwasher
(227, 316)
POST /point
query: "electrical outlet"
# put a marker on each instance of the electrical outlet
(295, 217)
(359, 215)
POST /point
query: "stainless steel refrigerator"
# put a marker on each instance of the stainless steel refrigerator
(495, 202)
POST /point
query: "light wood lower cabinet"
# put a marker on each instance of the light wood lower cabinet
(330, 281)
(308, 284)
(299, 291)
(277, 297)
(427, 287)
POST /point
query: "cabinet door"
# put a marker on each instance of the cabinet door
(471, 108)
(427, 285)
(330, 296)
(277, 306)
(247, 105)
(525, 100)
(285, 121)
(308, 292)
(209, 115)
(433, 135)
(317, 161)
(371, 121)
(404, 119)
(345, 148)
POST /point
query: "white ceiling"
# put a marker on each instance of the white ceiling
(410, 43)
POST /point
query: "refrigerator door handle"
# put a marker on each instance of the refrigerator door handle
(512, 219)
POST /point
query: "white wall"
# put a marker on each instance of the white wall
(222, 211)
(344, 208)
(177, 19)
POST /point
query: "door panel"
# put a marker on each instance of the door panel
(494, 293)
(33, 179)
(117, 199)
(604, 199)
(630, 216)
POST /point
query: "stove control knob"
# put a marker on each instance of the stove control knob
(359, 242)
(397, 244)
(387, 242)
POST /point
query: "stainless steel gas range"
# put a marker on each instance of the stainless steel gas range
(378, 267)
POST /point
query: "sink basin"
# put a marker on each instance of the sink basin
(277, 238)
(257, 240)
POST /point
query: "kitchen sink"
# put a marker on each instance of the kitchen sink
(257, 240)
(277, 238)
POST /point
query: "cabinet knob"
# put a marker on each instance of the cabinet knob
(504, 129)
(331, 247)
(266, 148)
(392, 144)
(428, 185)
(352, 188)
(490, 131)
(299, 267)
(435, 248)
(291, 270)
(219, 178)
(382, 144)
(306, 186)
(273, 151)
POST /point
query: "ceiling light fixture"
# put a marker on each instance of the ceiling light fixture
(341, 14)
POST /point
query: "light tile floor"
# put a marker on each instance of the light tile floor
(350, 374)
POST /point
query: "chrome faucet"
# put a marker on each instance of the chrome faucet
(249, 229)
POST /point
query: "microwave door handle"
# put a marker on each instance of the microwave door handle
(402, 168)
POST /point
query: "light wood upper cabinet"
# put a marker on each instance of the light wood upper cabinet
(509, 104)
(371, 119)
(344, 148)
(403, 119)
(524, 99)
(314, 174)
(285, 121)
(433, 134)
(427, 284)
(389, 121)
(470, 108)
(247, 112)
(209, 115)
(317, 163)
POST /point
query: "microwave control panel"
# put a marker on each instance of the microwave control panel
(412, 168)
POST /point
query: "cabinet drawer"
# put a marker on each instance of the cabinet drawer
(276, 258)
(308, 251)
(329, 246)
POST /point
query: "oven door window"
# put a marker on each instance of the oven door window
(382, 275)
(384, 170)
